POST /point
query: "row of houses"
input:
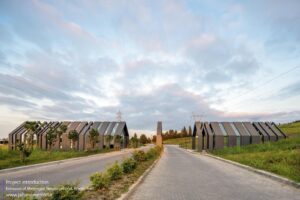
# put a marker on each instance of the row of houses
(111, 134)
(217, 135)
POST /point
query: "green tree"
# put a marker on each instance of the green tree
(94, 137)
(190, 131)
(154, 138)
(59, 131)
(24, 152)
(51, 138)
(184, 132)
(134, 141)
(117, 141)
(31, 128)
(143, 139)
(73, 136)
(108, 139)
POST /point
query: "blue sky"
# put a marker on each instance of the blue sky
(153, 60)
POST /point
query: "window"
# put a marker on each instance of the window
(222, 129)
(115, 129)
(247, 133)
(246, 129)
(224, 134)
(238, 138)
(109, 125)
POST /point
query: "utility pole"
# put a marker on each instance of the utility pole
(196, 117)
(119, 116)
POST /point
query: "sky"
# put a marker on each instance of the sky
(152, 60)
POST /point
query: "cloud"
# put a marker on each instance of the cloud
(158, 60)
(291, 90)
(169, 103)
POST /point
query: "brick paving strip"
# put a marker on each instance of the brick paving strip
(182, 175)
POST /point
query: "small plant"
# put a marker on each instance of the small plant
(73, 136)
(67, 192)
(152, 153)
(24, 152)
(100, 180)
(139, 156)
(94, 137)
(115, 172)
(134, 141)
(51, 138)
(129, 165)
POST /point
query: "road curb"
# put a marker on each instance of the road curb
(270, 175)
(133, 187)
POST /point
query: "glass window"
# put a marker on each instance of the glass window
(234, 129)
(238, 138)
(246, 129)
(99, 127)
(222, 129)
(115, 129)
(109, 125)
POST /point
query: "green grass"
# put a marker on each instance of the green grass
(282, 157)
(291, 129)
(11, 159)
(185, 142)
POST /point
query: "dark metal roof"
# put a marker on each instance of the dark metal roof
(251, 129)
(216, 128)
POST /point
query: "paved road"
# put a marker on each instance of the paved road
(185, 176)
(69, 170)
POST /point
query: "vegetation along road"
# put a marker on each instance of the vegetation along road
(182, 175)
(68, 170)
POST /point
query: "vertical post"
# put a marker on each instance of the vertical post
(159, 134)
(199, 129)
(193, 142)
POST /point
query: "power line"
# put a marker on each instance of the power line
(263, 84)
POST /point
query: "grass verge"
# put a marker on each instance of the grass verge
(185, 142)
(11, 159)
(291, 129)
(113, 182)
(119, 186)
(281, 157)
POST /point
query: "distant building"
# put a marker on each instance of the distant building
(111, 134)
(217, 135)
(3, 141)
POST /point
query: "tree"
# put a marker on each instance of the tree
(73, 136)
(108, 139)
(134, 141)
(154, 138)
(51, 137)
(94, 137)
(24, 152)
(190, 131)
(31, 128)
(117, 143)
(143, 139)
(184, 132)
(59, 131)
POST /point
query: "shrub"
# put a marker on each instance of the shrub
(100, 180)
(152, 153)
(66, 192)
(115, 171)
(139, 156)
(129, 165)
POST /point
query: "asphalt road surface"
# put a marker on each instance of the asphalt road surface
(72, 170)
(185, 176)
